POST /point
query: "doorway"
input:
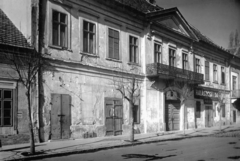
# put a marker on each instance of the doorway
(208, 116)
(60, 116)
(172, 115)
(113, 116)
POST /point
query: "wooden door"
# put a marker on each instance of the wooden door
(208, 116)
(60, 116)
(113, 115)
(172, 115)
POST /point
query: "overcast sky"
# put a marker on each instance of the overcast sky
(214, 18)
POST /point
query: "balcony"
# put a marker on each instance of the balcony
(235, 93)
(168, 72)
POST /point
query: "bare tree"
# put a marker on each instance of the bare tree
(185, 91)
(236, 38)
(222, 98)
(130, 90)
(26, 64)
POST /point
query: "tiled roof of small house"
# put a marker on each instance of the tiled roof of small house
(9, 34)
(140, 5)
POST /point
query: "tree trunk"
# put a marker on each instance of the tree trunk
(220, 119)
(32, 144)
(131, 122)
(183, 105)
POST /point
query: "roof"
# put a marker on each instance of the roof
(205, 39)
(140, 5)
(235, 51)
(9, 34)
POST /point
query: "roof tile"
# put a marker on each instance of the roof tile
(9, 34)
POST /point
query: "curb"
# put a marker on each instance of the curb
(127, 144)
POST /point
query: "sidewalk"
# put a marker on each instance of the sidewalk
(58, 148)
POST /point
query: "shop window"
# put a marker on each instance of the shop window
(6, 107)
(198, 109)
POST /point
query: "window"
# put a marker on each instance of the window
(6, 104)
(206, 70)
(157, 53)
(198, 109)
(59, 29)
(223, 75)
(113, 44)
(214, 109)
(215, 73)
(185, 61)
(89, 37)
(133, 49)
(172, 57)
(136, 114)
(197, 65)
(234, 82)
(223, 110)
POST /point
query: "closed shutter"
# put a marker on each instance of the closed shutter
(110, 43)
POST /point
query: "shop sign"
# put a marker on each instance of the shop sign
(206, 93)
(207, 101)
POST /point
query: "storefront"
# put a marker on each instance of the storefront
(206, 106)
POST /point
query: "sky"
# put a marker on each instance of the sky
(215, 19)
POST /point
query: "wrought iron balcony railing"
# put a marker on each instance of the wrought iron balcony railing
(235, 93)
(170, 72)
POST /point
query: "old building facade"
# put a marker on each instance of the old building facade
(91, 46)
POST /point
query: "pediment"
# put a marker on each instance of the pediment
(173, 24)
(173, 20)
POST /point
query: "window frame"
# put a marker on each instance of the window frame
(157, 58)
(59, 23)
(184, 61)
(207, 70)
(108, 42)
(135, 46)
(172, 57)
(234, 82)
(197, 65)
(223, 75)
(215, 73)
(2, 100)
(94, 33)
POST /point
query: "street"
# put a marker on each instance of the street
(196, 149)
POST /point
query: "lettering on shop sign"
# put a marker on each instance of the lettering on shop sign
(206, 93)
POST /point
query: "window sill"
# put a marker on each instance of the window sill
(59, 47)
(88, 54)
(136, 64)
(116, 60)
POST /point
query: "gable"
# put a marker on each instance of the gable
(173, 24)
